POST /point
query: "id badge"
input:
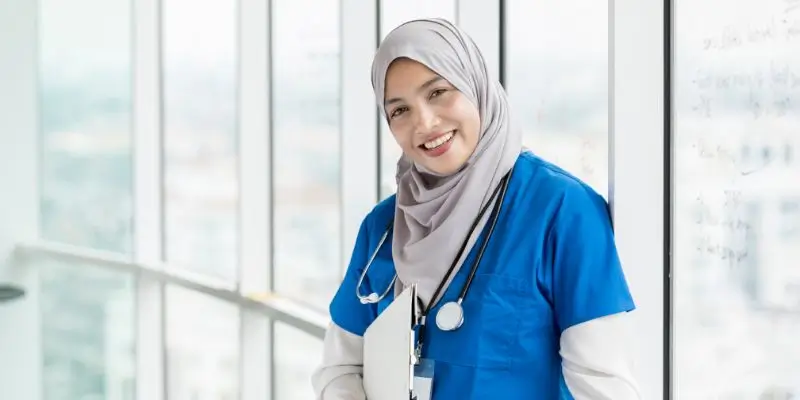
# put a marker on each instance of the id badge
(423, 380)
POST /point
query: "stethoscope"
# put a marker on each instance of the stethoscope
(451, 314)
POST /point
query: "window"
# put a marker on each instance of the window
(735, 295)
(85, 121)
(393, 14)
(201, 193)
(200, 135)
(306, 164)
(296, 354)
(202, 346)
(87, 314)
(88, 332)
(557, 82)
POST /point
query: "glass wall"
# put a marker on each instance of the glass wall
(736, 200)
(200, 193)
(306, 127)
(200, 181)
(296, 355)
(202, 346)
(557, 82)
(88, 339)
(85, 123)
(87, 313)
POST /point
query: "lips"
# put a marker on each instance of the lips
(439, 145)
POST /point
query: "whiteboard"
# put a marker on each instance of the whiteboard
(736, 198)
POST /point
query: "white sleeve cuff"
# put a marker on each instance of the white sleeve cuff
(597, 359)
(338, 377)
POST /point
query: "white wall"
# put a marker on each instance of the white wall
(636, 68)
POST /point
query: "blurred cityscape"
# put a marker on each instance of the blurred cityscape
(736, 193)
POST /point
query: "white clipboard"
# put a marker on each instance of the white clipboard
(388, 349)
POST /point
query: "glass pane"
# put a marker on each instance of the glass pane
(200, 136)
(736, 200)
(557, 81)
(394, 13)
(306, 121)
(88, 333)
(296, 355)
(202, 346)
(85, 121)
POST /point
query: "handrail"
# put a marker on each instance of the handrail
(272, 305)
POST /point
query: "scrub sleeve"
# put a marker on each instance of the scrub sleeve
(586, 280)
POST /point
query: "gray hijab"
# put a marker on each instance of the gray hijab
(434, 213)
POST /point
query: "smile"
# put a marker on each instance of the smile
(433, 144)
(440, 145)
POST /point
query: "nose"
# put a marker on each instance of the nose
(426, 120)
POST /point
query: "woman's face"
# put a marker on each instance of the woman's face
(435, 124)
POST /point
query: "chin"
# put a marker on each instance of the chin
(445, 167)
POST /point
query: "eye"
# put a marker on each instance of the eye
(437, 92)
(397, 112)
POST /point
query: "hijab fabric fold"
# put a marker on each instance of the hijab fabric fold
(433, 213)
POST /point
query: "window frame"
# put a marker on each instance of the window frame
(640, 169)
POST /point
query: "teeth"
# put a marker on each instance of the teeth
(438, 141)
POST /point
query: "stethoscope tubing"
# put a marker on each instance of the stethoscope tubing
(370, 299)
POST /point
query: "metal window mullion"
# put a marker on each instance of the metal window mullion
(254, 172)
(358, 128)
(148, 204)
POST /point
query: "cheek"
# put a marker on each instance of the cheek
(402, 138)
(470, 122)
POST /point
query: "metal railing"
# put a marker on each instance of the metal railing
(271, 305)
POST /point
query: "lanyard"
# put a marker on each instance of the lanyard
(422, 321)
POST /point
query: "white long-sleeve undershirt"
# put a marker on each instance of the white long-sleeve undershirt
(596, 362)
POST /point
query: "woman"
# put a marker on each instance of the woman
(545, 311)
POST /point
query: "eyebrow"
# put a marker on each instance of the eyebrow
(425, 85)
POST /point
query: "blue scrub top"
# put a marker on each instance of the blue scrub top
(551, 264)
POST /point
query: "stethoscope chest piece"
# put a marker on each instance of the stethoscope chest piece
(450, 316)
